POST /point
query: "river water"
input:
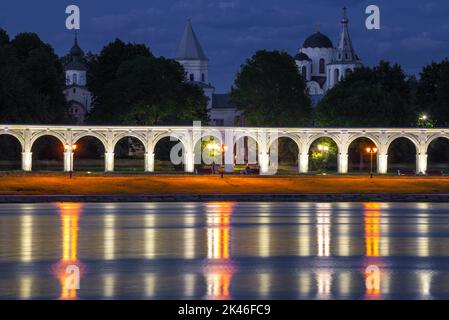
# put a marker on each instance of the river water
(224, 250)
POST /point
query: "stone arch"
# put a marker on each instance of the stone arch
(240, 135)
(406, 136)
(437, 154)
(130, 149)
(15, 135)
(372, 138)
(185, 151)
(92, 134)
(284, 151)
(314, 138)
(206, 134)
(129, 134)
(168, 134)
(240, 158)
(54, 134)
(403, 158)
(47, 155)
(295, 139)
(328, 161)
(433, 138)
(89, 156)
(357, 157)
(202, 156)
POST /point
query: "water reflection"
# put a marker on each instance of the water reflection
(26, 239)
(218, 269)
(68, 269)
(323, 229)
(372, 240)
(224, 250)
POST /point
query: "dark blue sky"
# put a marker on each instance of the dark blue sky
(414, 32)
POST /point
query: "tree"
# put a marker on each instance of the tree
(32, 81)
(131, 86)
(4, 38)
(432, 96)
(369, 97)
(270, 91)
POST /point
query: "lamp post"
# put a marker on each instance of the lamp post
(71, 149)
(324, 149)
(223, 150)
(213, 147)
(371, 151)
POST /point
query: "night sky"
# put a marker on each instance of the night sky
(414, 32)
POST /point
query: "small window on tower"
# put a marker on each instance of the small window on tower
(304, 71)
(191, 77)
(322, 66)
(74, 90)
(203, 77)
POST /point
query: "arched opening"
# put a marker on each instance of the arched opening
(48, 154)
(359, 160)
(246, 155)
(337, 75)
(286, 150)
(10, 153)
(323, 156)
(169, 155)
(402, 157)
(208, 155)
(348, 72)
(322, 66)
(89, 155)
(129, 155)
(438, 157)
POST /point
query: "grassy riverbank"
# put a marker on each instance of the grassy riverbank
(60, 184)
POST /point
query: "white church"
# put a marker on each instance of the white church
(321, 64)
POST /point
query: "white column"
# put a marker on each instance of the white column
(27, 161)
(189, 162)
(229, 159)
(303, 162)
(68, 161)
(382, 163)
(343, 163)
(109, 162)
(264, 161)
(149, 162)
(421, 163)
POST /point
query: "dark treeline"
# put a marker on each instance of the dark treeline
(128, 83)
(131, 86)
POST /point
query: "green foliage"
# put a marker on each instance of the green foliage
(424, 121)
(369, 97)
(32, 81)
(270, 91)
(432, 94)
(320, 160)
(131, 86)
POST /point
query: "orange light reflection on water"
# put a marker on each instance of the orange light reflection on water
(218, 268)
(372, 272)
(69, 267)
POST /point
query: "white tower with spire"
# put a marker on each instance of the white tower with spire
(191, 56)
(77, 95)
(345, 59)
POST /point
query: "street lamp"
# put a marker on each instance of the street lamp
(371, 151)
(223, 150)
(71, 149)
(213, 147)
(423, 117)
(323, 148)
